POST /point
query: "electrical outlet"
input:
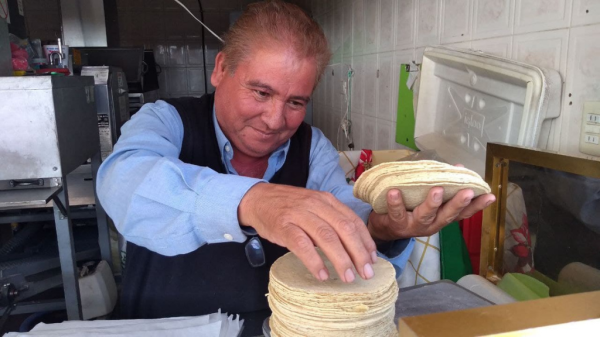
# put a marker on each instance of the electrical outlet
(589, 142)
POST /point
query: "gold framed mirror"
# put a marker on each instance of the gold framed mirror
(546, 221)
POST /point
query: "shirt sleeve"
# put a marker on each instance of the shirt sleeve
(326, 174)
(159, 202)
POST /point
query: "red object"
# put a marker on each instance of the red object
(19, 57)
(53, 70)
(522, 250)
(471, 230)
(19, 63)
(364, 163)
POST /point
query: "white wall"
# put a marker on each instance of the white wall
(372, 35)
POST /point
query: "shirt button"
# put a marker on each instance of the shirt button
(228, 237)
(227, 148)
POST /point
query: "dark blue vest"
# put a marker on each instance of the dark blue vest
(216, 276)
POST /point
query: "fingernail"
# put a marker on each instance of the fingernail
(323, 275)
(489, 203)
(374, 257)
(395, 195)
(437, 197)
(368, 271)
(468, 200)
(349, 275)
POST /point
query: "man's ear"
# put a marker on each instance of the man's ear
(220, 70)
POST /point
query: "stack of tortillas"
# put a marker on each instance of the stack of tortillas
(305, 306)
(414, 179)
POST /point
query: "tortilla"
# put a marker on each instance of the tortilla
(414, 180)
(305, 306)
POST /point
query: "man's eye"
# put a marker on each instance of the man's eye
(262, 94)
(296, 104)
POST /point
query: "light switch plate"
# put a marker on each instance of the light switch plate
(589, 143)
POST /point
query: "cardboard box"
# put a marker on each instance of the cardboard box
(504, 318)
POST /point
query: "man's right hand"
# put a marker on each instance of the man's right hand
(300, 219)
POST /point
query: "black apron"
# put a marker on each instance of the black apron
(215, 276)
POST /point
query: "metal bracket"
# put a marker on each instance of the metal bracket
(412, 67)
(8, 294)
(61, 207)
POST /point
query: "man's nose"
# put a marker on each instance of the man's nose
(274, 117)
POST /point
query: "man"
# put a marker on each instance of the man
(192, 181)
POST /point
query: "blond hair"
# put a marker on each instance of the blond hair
(274, 22)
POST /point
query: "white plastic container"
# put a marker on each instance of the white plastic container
(485, 289)
(98, 292)
(467, 99)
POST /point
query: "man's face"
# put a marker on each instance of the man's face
(263, 103)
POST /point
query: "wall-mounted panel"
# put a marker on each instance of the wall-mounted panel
(583, 72)
(400, 58)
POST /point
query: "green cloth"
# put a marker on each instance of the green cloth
(454, 255)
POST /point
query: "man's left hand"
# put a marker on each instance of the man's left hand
(426, 219)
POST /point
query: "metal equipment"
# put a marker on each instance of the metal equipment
(49, 130)
(140, 68)
(112, 103)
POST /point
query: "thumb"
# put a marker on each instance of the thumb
(396, 209)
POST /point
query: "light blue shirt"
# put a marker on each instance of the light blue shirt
(171, 207)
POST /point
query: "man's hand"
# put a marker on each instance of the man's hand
(300, 219)
(428, 218)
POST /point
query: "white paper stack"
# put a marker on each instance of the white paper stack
(213, 325)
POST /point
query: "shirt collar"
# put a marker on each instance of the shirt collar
(224, 144)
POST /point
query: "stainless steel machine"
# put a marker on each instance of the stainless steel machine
(49, 130)
(112, 103)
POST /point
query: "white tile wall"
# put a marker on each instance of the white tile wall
(385, 72)
(358, 26)
(371, 88)
(347, 34)
(545, 49)
(386, 25)
(585, 12)
(428, 22)
(405, 24)
(456, 20)
(533, 16)
(493, 18)
(558, 34)
(371, 11)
